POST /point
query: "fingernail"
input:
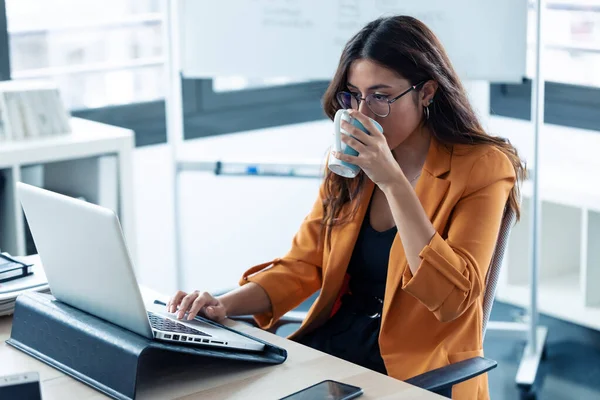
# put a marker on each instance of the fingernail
(210, 309)
(189, 317)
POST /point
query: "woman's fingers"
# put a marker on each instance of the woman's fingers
(346, 158)
(175, 300)
(205, 299)
(186, 303)
(196, 303)
(355, 144)
(216, 312)
(366, 122)
(357, 133)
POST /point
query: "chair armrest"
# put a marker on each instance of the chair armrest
(291, 317)
(441, 380)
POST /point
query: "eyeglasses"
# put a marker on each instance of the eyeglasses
(379, 104)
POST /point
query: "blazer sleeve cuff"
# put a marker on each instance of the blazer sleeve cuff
(279, 294)
(441, 271)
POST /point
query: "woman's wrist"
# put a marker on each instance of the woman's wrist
(398, 184)
(225, 300)
(248, 299)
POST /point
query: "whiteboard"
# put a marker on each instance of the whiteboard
(303, 39)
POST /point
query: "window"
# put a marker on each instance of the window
(571, 67)
(229, 104)
(572, 42)
(99, 52)
(108, 59)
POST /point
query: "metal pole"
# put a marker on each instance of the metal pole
(174, 119)
(532, 356)
(537, 118)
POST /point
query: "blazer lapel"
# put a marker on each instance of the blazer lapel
(431, 190)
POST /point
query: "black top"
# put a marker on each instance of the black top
(369, 263)
(352, 333)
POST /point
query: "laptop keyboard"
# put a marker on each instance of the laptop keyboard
(167, 325)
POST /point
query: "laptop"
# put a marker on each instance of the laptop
(88, 266)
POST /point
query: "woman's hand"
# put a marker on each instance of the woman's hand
(194, 303)
(374, 155)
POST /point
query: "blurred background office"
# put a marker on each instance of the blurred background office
(190, 226)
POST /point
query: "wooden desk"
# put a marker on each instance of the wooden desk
(222, 380)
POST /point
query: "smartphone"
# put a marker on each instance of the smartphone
(25, 386)
(326, 390)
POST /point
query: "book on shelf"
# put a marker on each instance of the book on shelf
(31, 109)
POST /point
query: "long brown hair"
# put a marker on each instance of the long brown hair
(407, 46)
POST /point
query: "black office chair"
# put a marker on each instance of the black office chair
(439, 380)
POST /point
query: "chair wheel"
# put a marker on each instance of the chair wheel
(527, 393)
(528, 396)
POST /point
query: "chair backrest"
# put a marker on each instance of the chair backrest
(491, 279)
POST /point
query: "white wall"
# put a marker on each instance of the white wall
(479, 95)
(228, 223)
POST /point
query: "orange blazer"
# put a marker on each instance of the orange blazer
(433, 318)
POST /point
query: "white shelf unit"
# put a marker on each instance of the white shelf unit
(570, 234)
(94, 162)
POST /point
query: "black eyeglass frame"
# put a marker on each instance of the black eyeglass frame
(389, 101)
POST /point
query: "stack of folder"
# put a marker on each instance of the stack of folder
(19, 275)
(12, 268)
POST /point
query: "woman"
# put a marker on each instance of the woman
(400, 252)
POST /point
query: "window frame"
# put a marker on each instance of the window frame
(214, 101)
(565, 104)
(218, 113)
(4, 49)
(206, 112)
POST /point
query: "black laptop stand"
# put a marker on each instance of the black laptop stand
(101, 354)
